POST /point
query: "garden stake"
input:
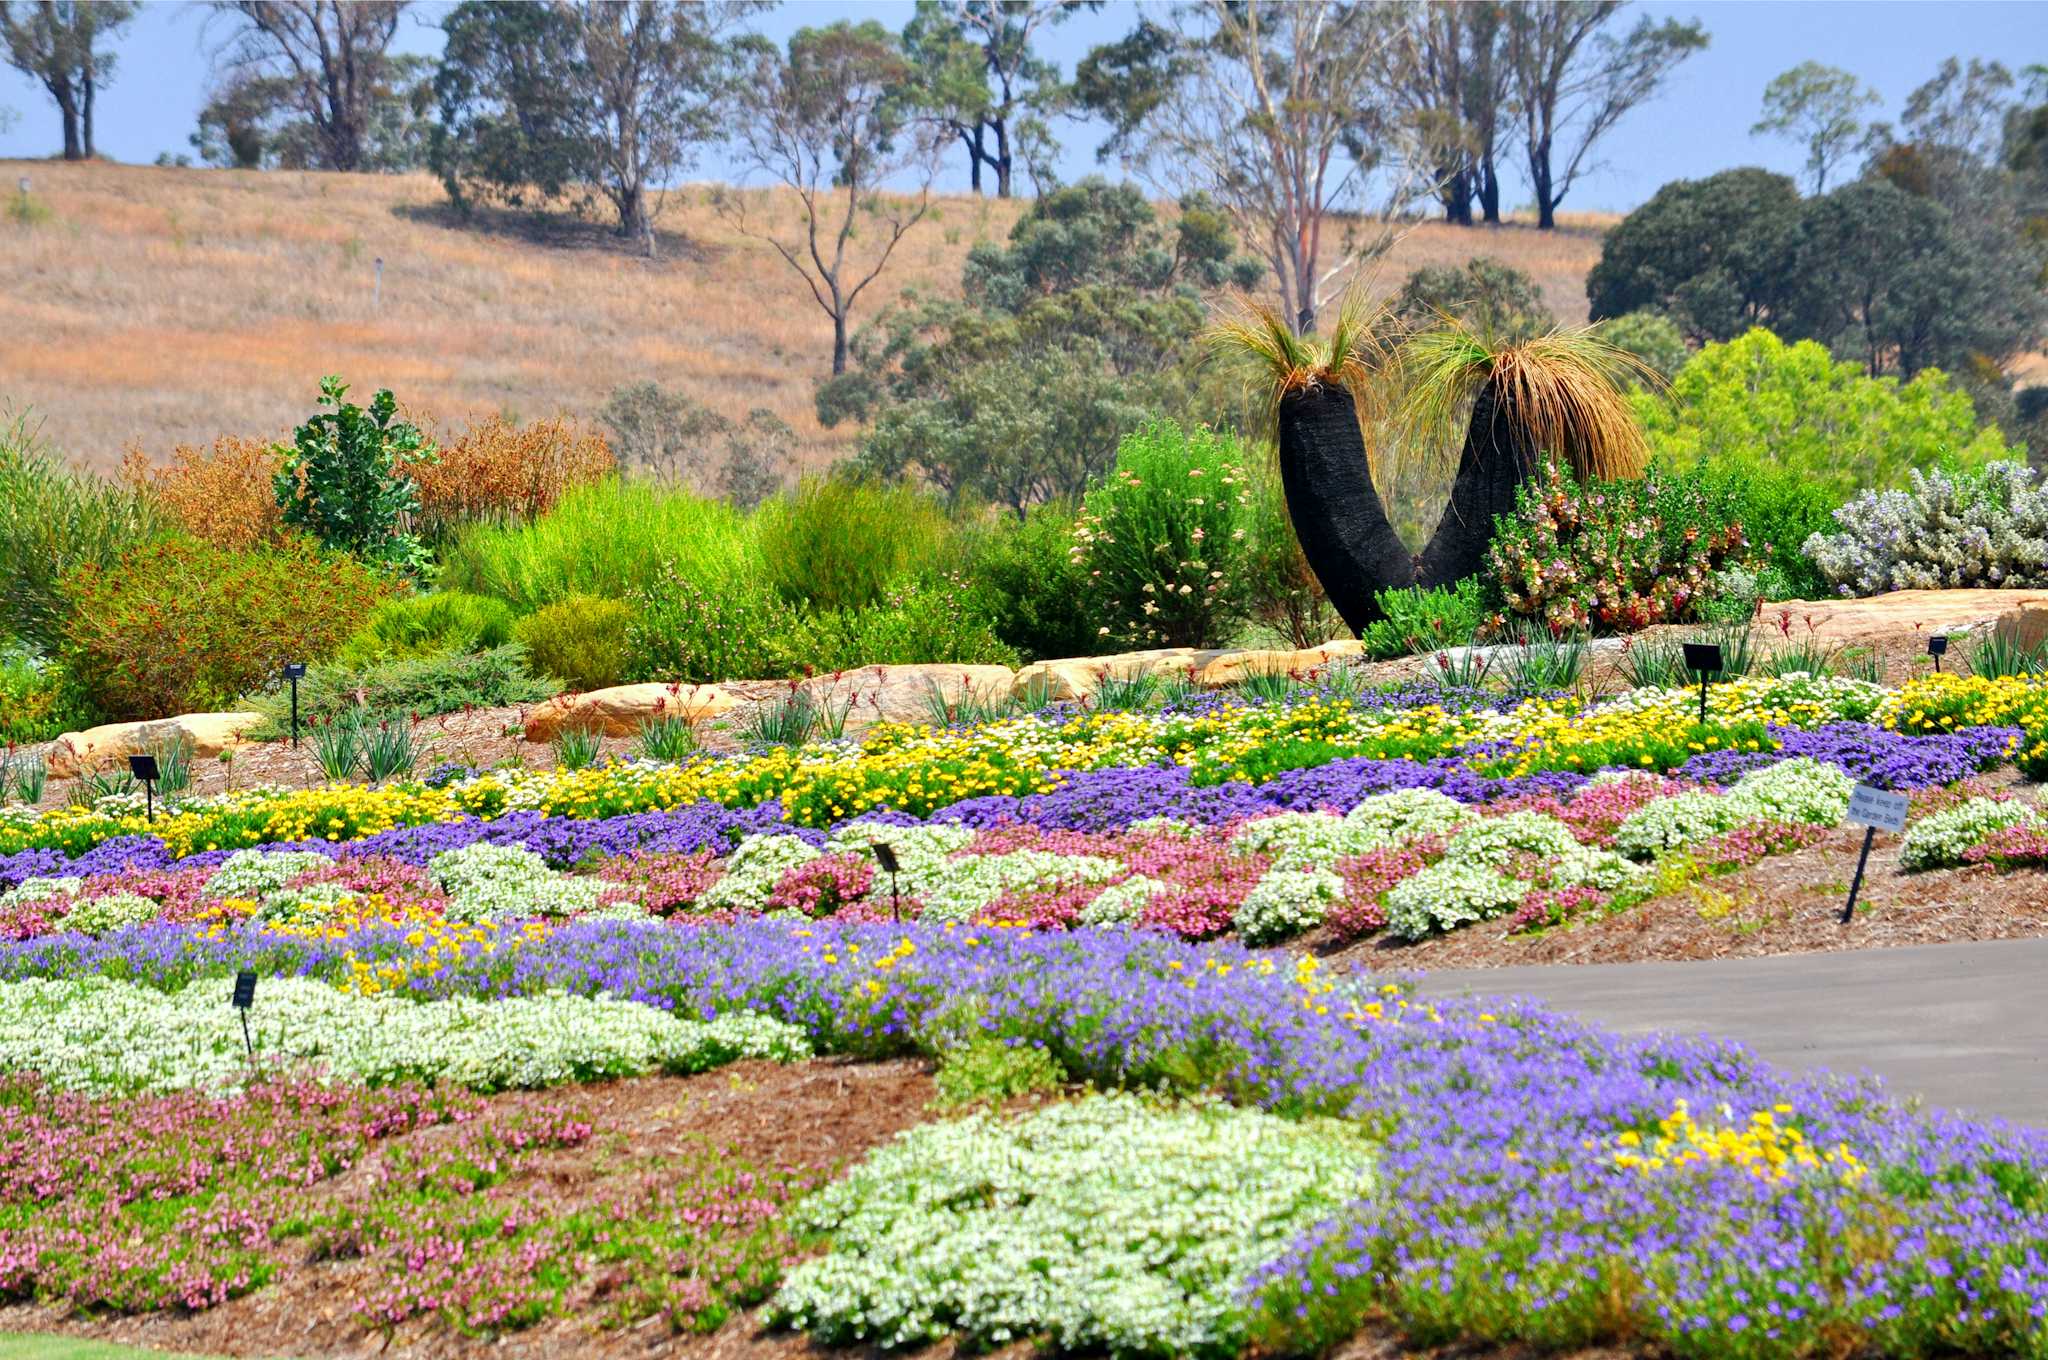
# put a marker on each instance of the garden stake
(1936, 645)
(1856, 883)
(293, 671)
(885, 855)
(245, 997)
(143, 767)
(1704, 657)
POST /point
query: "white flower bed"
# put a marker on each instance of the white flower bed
(1938, 841)
(1799, 790)
(102, 1035)
(508, 883)
(1285, 903)
(1472, 883)
(1109, 1224)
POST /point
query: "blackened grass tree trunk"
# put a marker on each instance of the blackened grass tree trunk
(1558, 395)
(1345, 535)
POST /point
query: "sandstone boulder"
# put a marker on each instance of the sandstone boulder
(622, 710)
(1077, 678)
(1232, 667)
(108, 747)
(1906, 612)
(873, 694)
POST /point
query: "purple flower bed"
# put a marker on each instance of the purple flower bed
(1870, 755)
(1504, 1207)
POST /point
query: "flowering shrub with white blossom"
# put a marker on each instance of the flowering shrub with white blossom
(1164, 538)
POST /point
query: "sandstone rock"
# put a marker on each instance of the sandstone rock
(1232, 667)
(108, 747)
(1080, 677)
(2027, 625)
(1904, 611)
(621, 710)
(873, 694)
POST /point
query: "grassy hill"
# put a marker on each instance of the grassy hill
(156, 306)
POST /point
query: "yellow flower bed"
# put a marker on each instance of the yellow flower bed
(1767, 1149)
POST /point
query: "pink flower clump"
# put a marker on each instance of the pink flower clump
(1367, 880)
(821, 887)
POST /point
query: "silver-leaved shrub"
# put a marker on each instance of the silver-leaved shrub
(1945, 531)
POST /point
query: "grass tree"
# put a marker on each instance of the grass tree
(1555, 395)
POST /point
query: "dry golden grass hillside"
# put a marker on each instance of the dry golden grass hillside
(164, 306)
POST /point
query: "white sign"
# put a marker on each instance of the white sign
(1876, 807)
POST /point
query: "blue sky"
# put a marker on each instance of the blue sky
(1700, 124)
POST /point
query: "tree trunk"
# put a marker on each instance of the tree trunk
(85, 116)
(1002, 159)
(973, 145)
(1336, 510)
(1458, 199)
(1498, 457)
(1539, 184)
(67, 109)
(838, 342)
(1489, 192)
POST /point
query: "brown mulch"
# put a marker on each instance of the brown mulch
(1787, 904)
(820, 1114)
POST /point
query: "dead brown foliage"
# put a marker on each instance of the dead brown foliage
(221, 493)
(499, 469)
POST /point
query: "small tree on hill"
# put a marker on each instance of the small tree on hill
(830, 119)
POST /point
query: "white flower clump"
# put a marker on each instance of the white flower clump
(1471, 882)
(101, 1035)
(1989, 528)
(1111, 1224)
(508, 883)
(41, 890)
(1285, 903)
(304, 905)
(970, 883)
(1668, 823)
(1797, 790)
(1122, 904)
(752, 870)
(921, 851)
(104, 915)
(1938, 841)
(250, 874)
(1301, 840)
(1390, 818)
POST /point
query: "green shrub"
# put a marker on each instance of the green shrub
(38, 700)
(610, 540)
(430, 625)
(1037, 597)
(177, 626)
(1163, 537)
(1651, 337)
(581, 641)
(1613, 556)
(1757, 406)
(841, 542)
(933, 620)
(1281, 592)
(53, 521)
(1779, 510)
(989, 1071)
(343, 476)
(414, 686)
(683, 631)
(1419, 620)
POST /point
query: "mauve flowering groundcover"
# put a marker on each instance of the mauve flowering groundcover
(1501, 1210)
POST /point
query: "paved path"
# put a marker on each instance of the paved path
(1965, 1025)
